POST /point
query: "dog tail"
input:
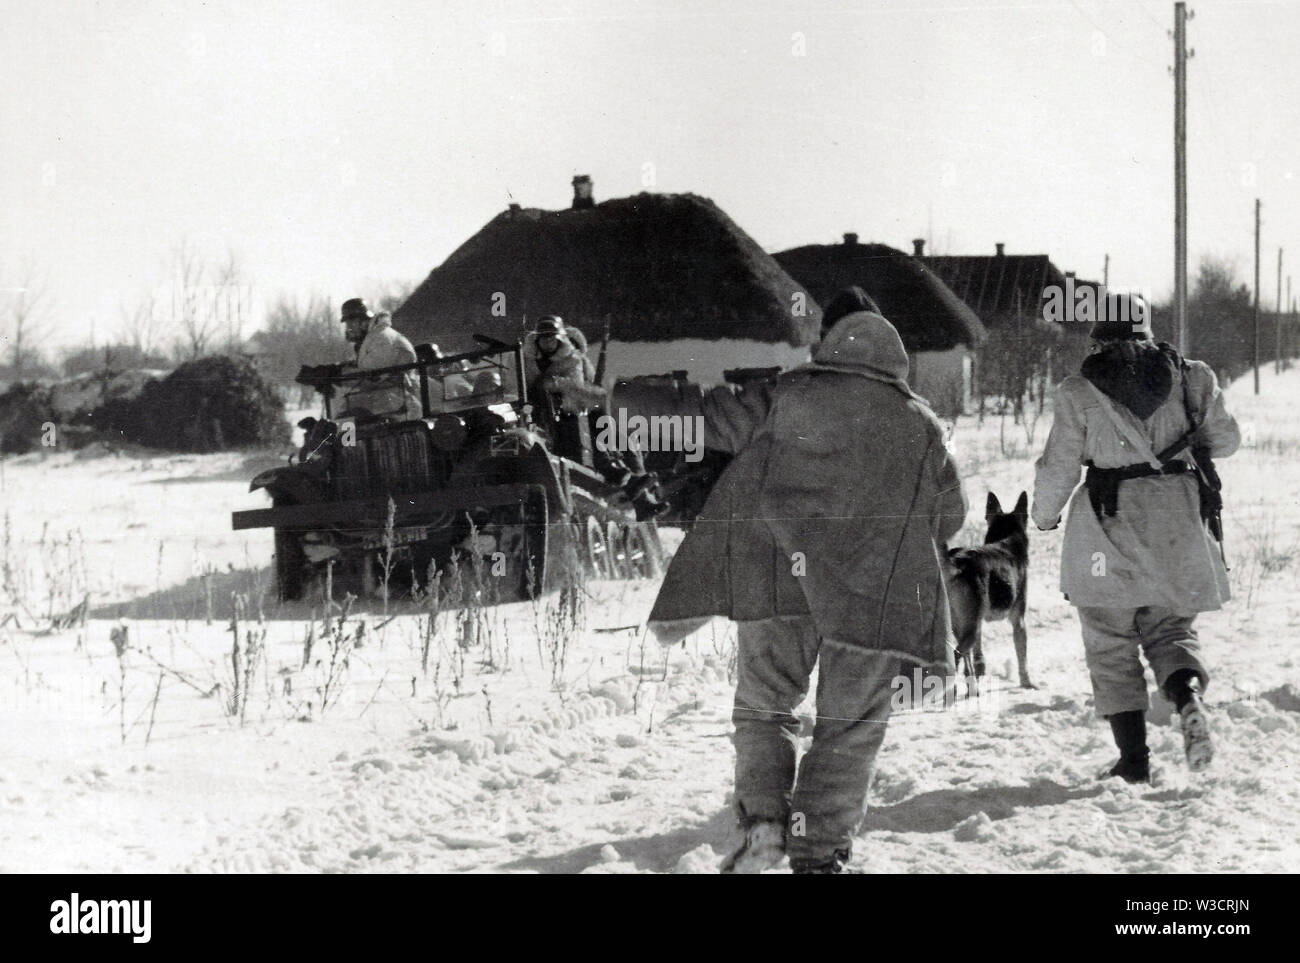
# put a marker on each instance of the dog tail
(971, 575)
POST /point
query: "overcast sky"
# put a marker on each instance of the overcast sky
(335, 144)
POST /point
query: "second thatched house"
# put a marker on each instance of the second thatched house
(938, 330)
(1008, 292)
(672, 279)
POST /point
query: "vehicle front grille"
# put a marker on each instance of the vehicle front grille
(351, 474)
(399, 461)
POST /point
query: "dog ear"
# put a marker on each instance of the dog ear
(1022, 505)
(992, 507)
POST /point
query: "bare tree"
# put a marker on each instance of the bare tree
(389, 295)
(189, 304)
(208, 303)
(1219, 318)
(29, 311)
(142, 323)
(232, 299)
(295, 334)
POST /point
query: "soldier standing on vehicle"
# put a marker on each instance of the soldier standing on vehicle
(1138, 560)
(379, 345)
(559, 375)
(554, 367)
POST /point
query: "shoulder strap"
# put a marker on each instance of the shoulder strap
(1126, 429)
(1192, 425)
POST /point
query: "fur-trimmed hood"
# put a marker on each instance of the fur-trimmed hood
(1137, 374)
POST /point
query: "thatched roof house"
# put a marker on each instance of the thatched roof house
(677, 282)
(996, 286)
(928, 316)
(1008, 292)
(937, 328)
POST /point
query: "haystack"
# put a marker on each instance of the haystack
(210, 404)
(25, 410)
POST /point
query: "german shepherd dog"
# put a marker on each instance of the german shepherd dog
(987, 583)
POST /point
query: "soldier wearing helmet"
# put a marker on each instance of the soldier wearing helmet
(379, 345)
(560, 378)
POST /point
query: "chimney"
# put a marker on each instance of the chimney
(1002, 249)
(582, 192)
(850, 238)
(918, 246)
(514, 210)
(1069, 274)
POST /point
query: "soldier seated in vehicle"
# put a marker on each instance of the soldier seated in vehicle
(455, 381)
(379, 345)
(457, 384)
(560, 381)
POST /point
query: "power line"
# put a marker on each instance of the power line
(1142, 7)
(1098, 27)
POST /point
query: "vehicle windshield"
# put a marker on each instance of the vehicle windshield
(461, 382)
(474, 383)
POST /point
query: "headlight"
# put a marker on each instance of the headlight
(448, 433)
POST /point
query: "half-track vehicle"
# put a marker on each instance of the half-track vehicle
(376, 495)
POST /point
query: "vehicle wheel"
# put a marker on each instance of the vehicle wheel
(290, 566)
(346, 576)
(596, 546)
(639, 555)
(369, 571)
(617, 550)
(570, 555)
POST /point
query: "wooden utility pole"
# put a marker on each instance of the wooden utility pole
(1256, 338)
(1277, 321)
(1180, 177)
(1105, 273)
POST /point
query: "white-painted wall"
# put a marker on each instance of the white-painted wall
(943, 378)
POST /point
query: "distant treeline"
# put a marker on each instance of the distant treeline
(1024, 355)
(1220, 322)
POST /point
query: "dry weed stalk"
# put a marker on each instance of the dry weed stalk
(386, 561)
(245, 658)
(559, 619)
(340, 642)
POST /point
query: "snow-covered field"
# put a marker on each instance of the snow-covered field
(590, 750)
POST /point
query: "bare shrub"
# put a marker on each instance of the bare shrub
(559, 619)
(1265, 554)
(340, 640)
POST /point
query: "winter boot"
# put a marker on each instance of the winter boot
(835, 863)
(1130, 732)
(763, 848)
(1184, 688)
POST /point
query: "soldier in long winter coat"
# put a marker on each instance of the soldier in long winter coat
(379, 345)
(823, 540)
(556, 363)
(1138, 561)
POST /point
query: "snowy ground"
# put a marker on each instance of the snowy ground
(584, 751)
